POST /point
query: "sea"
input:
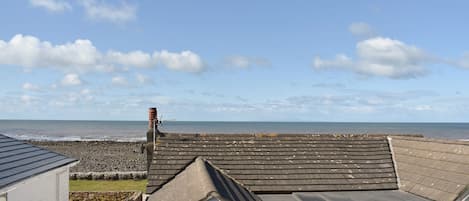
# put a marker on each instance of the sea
(58, 130)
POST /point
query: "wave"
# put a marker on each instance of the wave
(76, 138)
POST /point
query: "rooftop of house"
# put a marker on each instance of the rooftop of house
(281, 163)
(303, 167)
(433, 168)
(20, 160)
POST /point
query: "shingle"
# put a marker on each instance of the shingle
(20, 160)
(281, 163)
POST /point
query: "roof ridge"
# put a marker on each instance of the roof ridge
(225, 174)
(175, 175)
(434, 140)
(273, 135)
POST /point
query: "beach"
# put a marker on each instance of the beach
(100, 156)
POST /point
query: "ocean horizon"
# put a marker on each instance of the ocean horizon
(82, 130)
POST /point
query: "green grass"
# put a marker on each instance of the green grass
(101, 185)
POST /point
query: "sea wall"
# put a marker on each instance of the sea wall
(108, 175)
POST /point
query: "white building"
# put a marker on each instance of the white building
(30, 173)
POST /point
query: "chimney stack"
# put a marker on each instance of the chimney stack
(152, 117)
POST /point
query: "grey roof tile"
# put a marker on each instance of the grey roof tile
(432, 168)
(202, 181)
(281, 163)
(20, 160)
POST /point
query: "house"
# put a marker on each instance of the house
(305, 167)
(31, 173)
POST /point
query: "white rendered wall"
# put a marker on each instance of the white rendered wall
(49, 186)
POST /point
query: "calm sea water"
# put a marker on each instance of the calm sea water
(135, 130)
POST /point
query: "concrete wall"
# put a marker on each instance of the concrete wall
(431, 168)
(49, 186)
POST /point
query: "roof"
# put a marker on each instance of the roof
(433, 168)
(281, 163)
(201, 181)
(20, 160)
(394, 195)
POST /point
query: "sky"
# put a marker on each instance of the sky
(209, 60)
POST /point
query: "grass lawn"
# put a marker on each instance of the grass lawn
(101, 185)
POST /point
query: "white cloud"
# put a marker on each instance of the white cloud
(143, 79)
(71, 80)
(119, 81)
(245, 62)
(381, 57)
(30, 87)
(105, 12)
(135, 58)
(51, 5)
(82, 56)
(30, 52)
(27, 99)
(84, 94)
(361, 29)
(185, 61)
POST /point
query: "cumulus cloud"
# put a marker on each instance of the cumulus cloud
(361, 29)
(51, 5)
(30, 52)
(381, 56)
(119, 81)
(82, 56)
(101, 11)
(184, 61)
(134, 58)
(30, 87)
(245, 62)
(71, 80)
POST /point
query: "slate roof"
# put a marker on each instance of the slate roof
(433, 168)
(201, 181)
(20, 160)
(281, 163)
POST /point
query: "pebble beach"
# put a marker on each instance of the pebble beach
(100, 156)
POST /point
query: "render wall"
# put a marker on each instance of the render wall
(431, 168)
(50, 186)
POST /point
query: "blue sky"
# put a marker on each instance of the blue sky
(381, 61)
